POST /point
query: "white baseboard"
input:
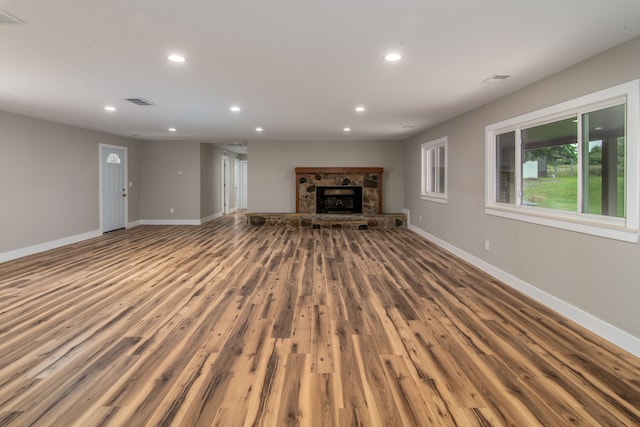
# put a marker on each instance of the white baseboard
(170, 222)
(41, 247)
(594, 324)
(211, 217)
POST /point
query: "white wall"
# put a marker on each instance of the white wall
(271, 164)
(595, 275)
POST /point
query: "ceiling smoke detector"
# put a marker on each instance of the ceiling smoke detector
(140, 101)
(7, 18)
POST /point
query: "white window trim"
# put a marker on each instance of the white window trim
(430, 195)
(625, 229)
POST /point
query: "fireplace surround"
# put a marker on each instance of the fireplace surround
(339, 200)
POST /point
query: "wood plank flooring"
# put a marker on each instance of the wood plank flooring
(229, 325)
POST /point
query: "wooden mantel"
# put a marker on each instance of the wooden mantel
(368, 177)
(322, 170)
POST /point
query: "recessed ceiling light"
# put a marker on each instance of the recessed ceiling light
(110, 108)
(172, 129)
(359, 109)
(391, 57)
(347, 129)
(235, 108)
(259, 129)
(176, 58)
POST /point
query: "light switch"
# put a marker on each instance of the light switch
(179, 171)
(130, 184)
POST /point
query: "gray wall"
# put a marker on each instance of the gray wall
(597, 275)
(271, 164)
(210, 180)
(49, 181)
(162, 188)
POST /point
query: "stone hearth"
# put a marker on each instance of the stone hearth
(354, 222)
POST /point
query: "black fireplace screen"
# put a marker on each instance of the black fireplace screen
(339, 199)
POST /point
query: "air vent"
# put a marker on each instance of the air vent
(140, 101)
(496, 78)
(6, 18)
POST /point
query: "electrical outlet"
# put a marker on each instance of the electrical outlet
(487, 246)
(171, 210)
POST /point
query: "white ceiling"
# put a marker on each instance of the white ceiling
(297, 68)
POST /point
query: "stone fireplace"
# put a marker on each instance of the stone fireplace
(329, 198)
(350, 190)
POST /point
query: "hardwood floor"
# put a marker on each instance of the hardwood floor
(223, 324)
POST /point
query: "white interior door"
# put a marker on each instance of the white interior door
(114, 188)
(225, 185)
(236, 183)
(243, 184)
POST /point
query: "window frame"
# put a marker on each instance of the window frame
(426, 170)
(624, 229)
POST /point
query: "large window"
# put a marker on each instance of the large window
(434, 170)
(573, 166)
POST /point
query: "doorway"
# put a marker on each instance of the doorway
(113, 189)
(225, 184)
(236, 183)
(242, 203)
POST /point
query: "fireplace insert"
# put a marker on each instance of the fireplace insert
(339, 200)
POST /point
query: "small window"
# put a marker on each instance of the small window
(572, 166)
(113, 158)
(434, 170)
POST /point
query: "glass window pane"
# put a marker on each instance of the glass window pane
(506, 167)
(441, 166)
(549, 159)
(604, 161)
(113, 158)
(425, 170)
(432, 171)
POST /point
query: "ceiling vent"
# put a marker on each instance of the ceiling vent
(6, 18)
(496, 78)
(140, 101)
